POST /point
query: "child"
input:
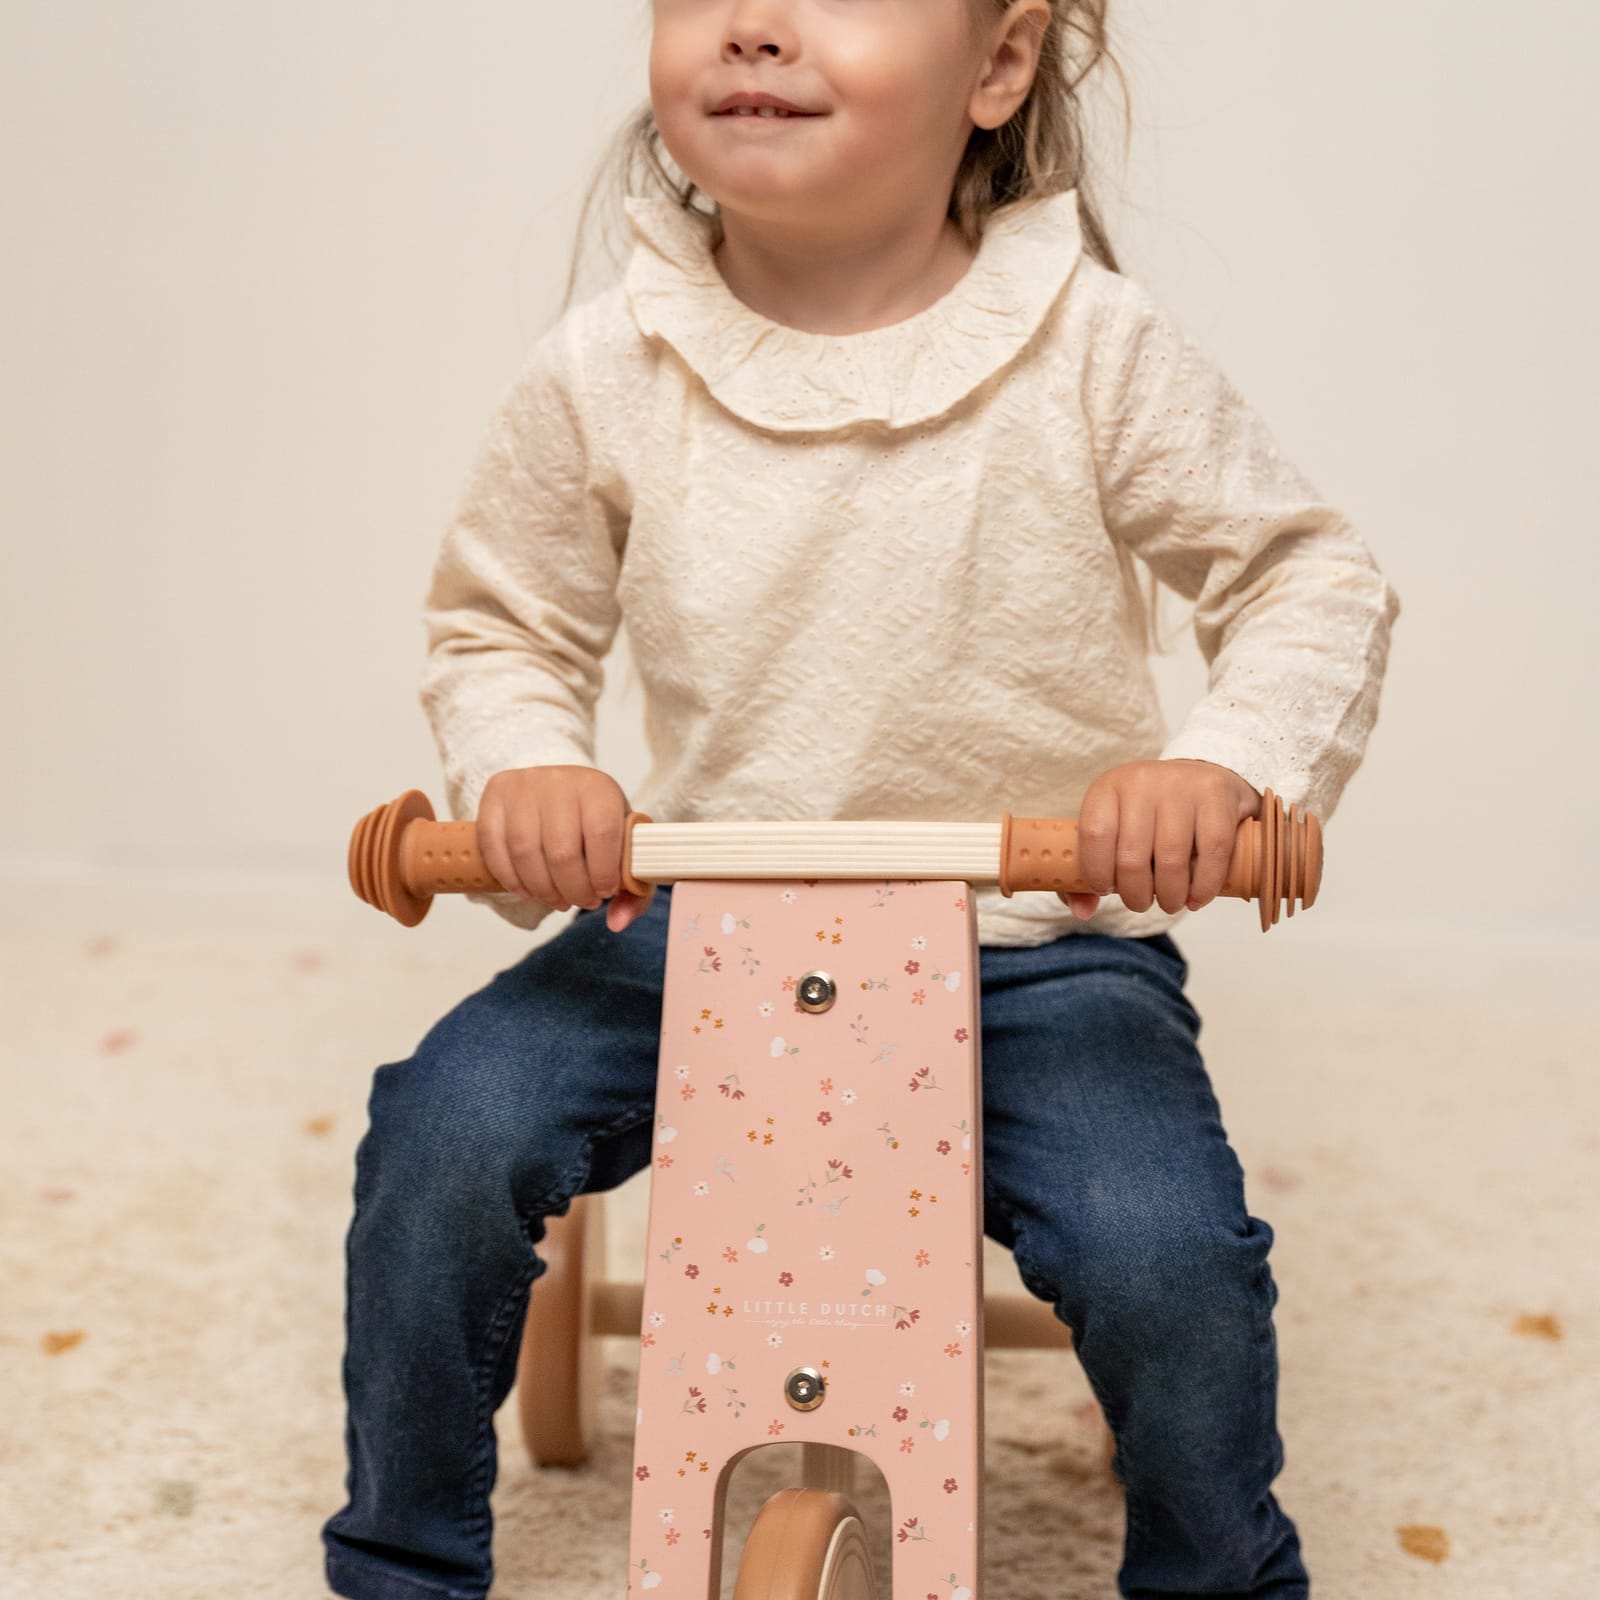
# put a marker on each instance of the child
(864, 451)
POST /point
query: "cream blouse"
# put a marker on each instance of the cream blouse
(887, 575)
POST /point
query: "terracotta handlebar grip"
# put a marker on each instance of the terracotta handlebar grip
(1276, 860)
(400, 857)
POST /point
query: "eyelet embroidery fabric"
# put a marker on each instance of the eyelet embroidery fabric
(890, 575)
(902, 374)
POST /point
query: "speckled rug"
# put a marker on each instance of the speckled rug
(182, 1102)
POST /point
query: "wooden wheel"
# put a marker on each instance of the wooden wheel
(806, 1544)
(559, 1366)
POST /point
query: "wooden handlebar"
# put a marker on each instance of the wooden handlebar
(400, 856)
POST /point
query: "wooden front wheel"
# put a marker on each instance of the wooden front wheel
(560, 1363)
(806, 1544)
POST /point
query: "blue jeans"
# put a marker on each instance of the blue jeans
(1106, 1172)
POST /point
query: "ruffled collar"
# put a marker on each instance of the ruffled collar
(785, 378)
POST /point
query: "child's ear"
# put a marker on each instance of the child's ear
(1012, 61)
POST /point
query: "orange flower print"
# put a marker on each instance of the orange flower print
(826, 1086)
(908, 1444)
(952, 1349)
(922, 1258)
(774, 1427)
(918, 996)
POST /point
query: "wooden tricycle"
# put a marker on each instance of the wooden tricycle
(814, 1250)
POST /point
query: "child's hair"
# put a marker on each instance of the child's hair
(1041, 150)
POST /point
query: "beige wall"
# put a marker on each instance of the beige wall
(267, 270)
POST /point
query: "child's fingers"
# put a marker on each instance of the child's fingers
(603, 817)
(1097, 839)
(492, 847)
(627, 907)
(1136, 826)
(1174, 851)
(562, 847)
(1216, 830)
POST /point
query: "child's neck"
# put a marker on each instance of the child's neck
(832, 283)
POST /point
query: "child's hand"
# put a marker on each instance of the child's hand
(555, 834)
(1161, 830)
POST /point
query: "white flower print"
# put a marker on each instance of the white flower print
(665, 1513)
(787, 896)
(908, 1388)
(764, 1009)
(657, 1318)
(701, 1189)
(774, 1339)
(825, 1251)
(919, 942)
(681, 1072)
(963, 1328)
(848, 1097)
(941, 1429)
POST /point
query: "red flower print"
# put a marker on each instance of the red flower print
(900, 1413)
(641, 1473)
(691, 1271)
(943, 1147)
(949, 1485)
(824, 1117)
(913, 967)
(961, 1035)
(786, 1278)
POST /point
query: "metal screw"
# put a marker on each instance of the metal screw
(815, 991)
(803, 1388)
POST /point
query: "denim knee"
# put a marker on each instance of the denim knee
(452, 1142)
(1158, 1268)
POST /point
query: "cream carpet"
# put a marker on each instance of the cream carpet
(185, 1084)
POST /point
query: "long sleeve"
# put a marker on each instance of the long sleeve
(522, 608)
(1291, 613)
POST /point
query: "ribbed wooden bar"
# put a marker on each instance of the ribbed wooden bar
(666, 851)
